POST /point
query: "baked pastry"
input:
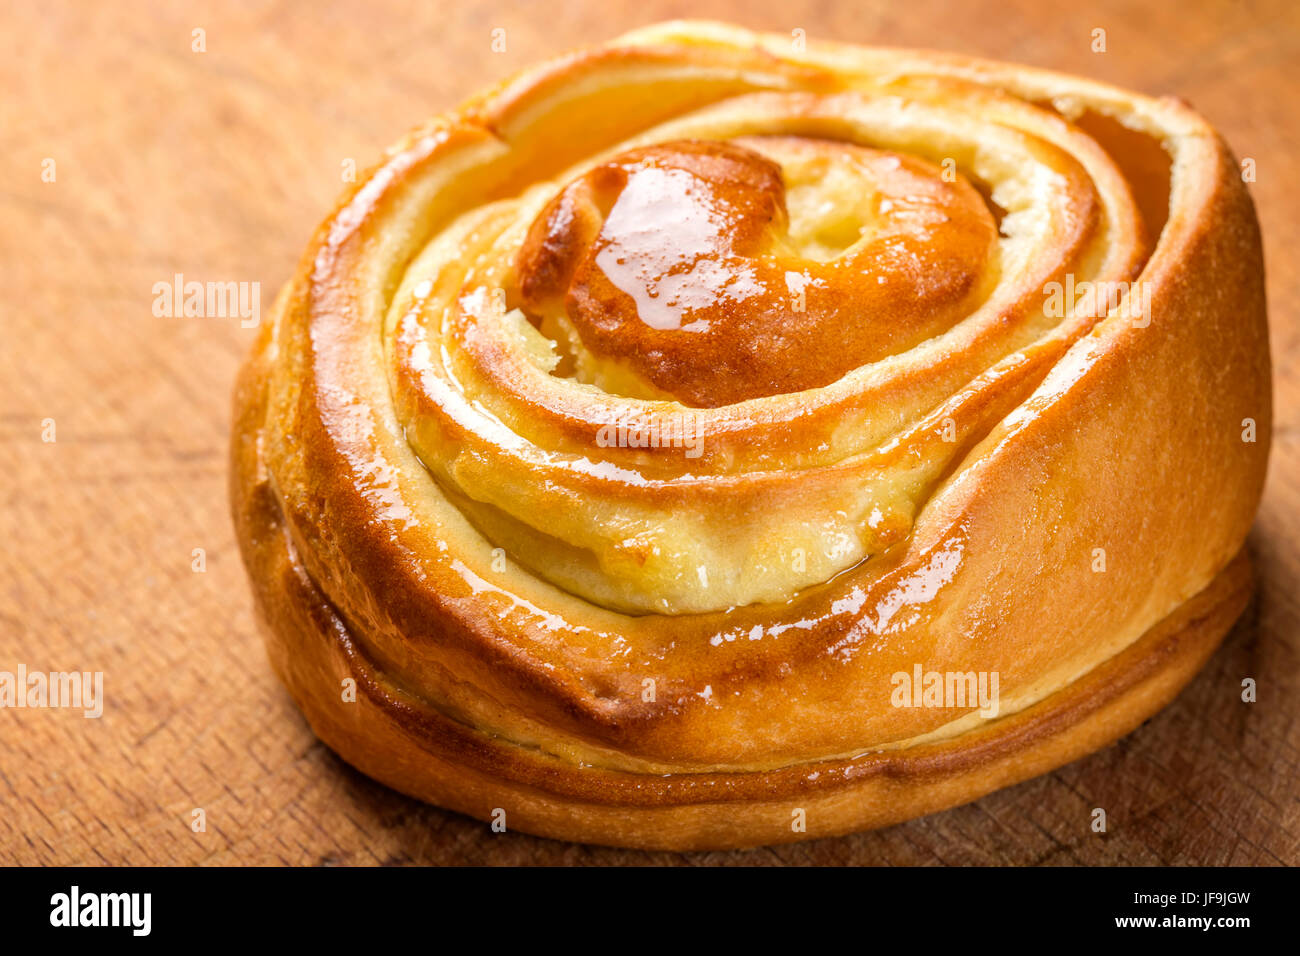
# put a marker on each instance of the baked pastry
(709, 440)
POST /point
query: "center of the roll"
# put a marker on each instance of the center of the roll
(715, 272)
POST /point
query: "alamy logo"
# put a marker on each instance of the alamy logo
(1129, 300)
(211, 300)
(74, 908)
(680, 430)
(54, 689)
(946, 689)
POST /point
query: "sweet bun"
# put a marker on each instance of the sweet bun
(698, 441)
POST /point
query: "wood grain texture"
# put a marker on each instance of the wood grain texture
(217, 165)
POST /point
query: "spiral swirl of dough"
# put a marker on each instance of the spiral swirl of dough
(753, 376)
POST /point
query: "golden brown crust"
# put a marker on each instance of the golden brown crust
(689, 332)
(425, 508)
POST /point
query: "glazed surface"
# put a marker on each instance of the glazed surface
(648, 414)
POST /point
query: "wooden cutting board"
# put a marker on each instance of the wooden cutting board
(216, 165)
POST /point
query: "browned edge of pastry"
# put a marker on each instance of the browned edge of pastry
(406, 743)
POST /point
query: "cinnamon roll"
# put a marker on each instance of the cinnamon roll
(708, 440)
